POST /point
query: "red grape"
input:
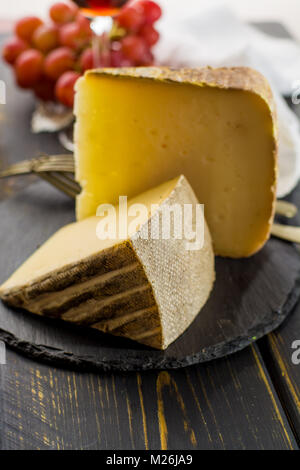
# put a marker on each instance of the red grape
(134, 48)
(29, 68)
(62, 13)
(118, 59)
(45, 89)
(64, 89)
(13, 48)
(150, 34)
(152, 11)
(86, 60)
(147, 59)
(84, 24)
(131, 18)
(73, 36)
(59, 61)
(26, 27)
(45, 37)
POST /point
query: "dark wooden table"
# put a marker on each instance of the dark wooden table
(250, 400)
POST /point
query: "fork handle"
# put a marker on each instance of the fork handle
(45, 163)
(286, 232)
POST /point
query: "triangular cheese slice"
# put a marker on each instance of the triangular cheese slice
(146, 289)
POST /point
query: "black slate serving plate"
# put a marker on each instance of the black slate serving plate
(251, 297)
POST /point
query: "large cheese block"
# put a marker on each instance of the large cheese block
(140, 286)
(138, 127)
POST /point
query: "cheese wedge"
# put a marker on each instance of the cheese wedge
(139, 127)
(148, 289)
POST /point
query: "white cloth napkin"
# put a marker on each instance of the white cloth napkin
(207, 33)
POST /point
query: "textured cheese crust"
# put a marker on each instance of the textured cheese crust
(147, 290)
(138, 127)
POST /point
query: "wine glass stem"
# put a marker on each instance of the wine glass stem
(101, 27)
(101, 50)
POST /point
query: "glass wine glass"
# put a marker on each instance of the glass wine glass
(101, 14)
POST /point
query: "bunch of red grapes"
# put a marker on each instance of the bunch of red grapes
(48, 58)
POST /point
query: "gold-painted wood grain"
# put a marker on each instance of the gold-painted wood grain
(277, 411)
(284, 363)
(139, 382)
(225, 404)
(165, 380)
(277, 353)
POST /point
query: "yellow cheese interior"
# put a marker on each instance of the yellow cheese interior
(132, 134)
(79, 240)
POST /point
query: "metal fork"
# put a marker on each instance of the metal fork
(59, 171)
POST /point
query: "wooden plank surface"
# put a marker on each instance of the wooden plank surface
(226, 404)
(277, 353)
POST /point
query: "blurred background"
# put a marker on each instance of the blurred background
(285, 11)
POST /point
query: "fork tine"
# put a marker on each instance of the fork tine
(55, 167)
(64, 156)
(55, 163)
(64, 178)
(52, 179)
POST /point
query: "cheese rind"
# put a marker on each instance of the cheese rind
(148, 290)
(138, 127)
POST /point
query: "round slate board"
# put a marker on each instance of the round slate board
(251, 297)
